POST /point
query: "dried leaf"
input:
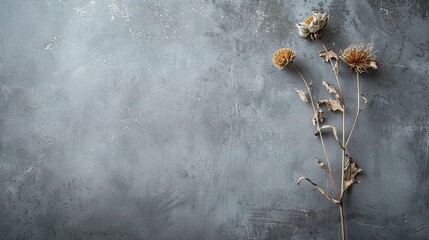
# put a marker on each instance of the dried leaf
(333, 105)
(302, 95)
(321, 190)
(321, 164)
(373, 64)
(334, 131)
(365, 101)
(331, 89)
(328, 54)
(319, 115)
(350, 172)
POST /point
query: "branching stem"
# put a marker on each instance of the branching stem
(343, 146)
(320, 133)
(357, 111)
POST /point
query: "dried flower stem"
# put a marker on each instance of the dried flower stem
(343, 231)
(343, 146)
(334, 184)
(359, 58)
(357, 111)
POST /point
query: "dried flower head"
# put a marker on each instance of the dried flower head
(283, 57)
(312, 26)
(359, 57)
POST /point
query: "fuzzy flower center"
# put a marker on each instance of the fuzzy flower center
(309, 19)
(283, 57)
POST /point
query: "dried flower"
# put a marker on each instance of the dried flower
(312, 26)
(359, 58)
(283, 57)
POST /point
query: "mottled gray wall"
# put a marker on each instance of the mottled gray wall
(167, 120)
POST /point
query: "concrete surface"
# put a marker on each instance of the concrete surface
(166, 120)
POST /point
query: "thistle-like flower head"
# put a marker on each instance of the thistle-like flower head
(283, 57)
(359, 57)
(312, 26)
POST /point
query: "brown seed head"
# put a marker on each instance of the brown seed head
(359, 58)
(283, 57)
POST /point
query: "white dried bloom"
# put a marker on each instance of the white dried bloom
(312, 26)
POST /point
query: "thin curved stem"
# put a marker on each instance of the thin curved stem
(306, 85)
(343, 230)
(357, 111)
(320, 134)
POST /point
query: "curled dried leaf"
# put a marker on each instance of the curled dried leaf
(333, 105)
(318, 116)
(350, 173)
(328, 54)
(365, 101)
(321, 165)
(373, 64)
(333, 129)
(331, 89)
(321, 190)
(304, 97)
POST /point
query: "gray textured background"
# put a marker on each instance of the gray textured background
(166, 120)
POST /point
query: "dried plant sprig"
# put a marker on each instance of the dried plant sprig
(329, 55)
(359, 57)
(312, 25)
(283, 57)
(318, 114)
